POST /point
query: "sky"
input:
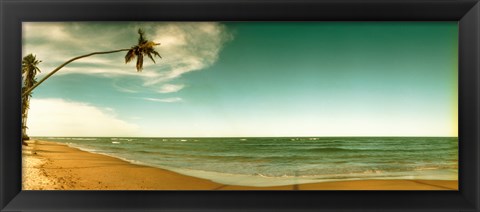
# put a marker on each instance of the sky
(247, 79)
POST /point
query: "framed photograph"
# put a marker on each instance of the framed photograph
(239, 105)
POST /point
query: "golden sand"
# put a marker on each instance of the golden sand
(55, 166)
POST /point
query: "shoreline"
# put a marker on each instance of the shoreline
(55, 166)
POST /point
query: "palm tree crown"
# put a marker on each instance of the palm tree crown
(144, 47)
(29, 70)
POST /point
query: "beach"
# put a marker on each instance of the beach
(55, 166)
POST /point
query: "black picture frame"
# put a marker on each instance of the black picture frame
(13, 12)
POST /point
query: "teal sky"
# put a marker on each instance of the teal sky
(248, 79)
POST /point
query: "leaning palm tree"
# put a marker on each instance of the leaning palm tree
(143, 47)
(29, 70)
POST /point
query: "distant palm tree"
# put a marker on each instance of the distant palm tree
(29, 70)
(144, 47)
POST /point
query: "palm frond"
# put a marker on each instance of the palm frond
(156, 54)
(139, 63)
(141, 38)
(130, 55)
(151, 57)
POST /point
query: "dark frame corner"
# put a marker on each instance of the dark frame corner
(466, 12)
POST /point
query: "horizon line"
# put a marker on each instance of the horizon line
(250, 136)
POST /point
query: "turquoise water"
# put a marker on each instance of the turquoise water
(284, 161)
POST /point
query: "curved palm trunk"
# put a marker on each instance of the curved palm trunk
(64, 64)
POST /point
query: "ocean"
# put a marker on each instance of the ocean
(286, 160)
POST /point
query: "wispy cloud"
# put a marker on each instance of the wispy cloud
(170, 88)
(166, 100)
(185, 47)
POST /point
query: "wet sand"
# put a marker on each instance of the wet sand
(56, 166)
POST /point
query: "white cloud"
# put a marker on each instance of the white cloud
(170, 88)
(58, 117)
(54, 31)
(167, 100)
